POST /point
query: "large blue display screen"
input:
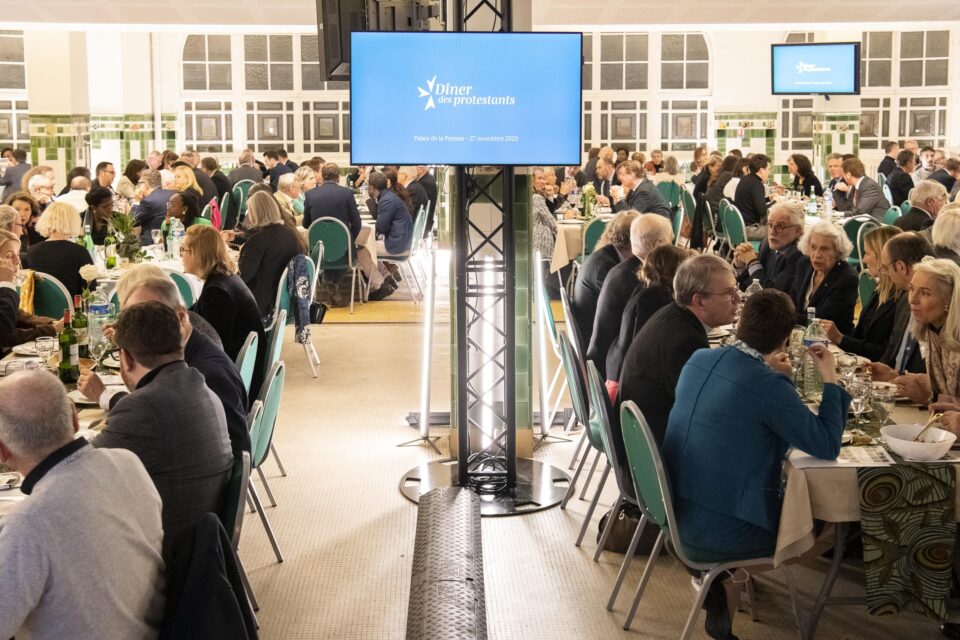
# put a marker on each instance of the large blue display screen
(465, 98)
(816, 68)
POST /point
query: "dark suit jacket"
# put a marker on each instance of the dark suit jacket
(207, 186)
(868, 199)
(12, 177)
(266, 253)
(227, 304)
(643, 303)
(811, 185)
(274, 174)
(652, 364)
(9, 304)
(586, 291)
(429, 184)
(915, 220)
(870, 336)
(944, 178)
(221, 182)
(333, 201)
(834, 299)
(900, 184)
(714, 193)
(61, 259)
(700, 183)
(561, 172)
(841, 201)
(751, 199)
(645, 198)
(177, 428)
(394, 223)
(901, 320)
(151, 211)
(774, 269)
(617, 287)
(886, 166)
(602, 187)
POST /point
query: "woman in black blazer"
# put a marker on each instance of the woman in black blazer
(60, 256)
(804, 179)
(825, 281)
(225, 301)
(270, 246)
(875, 326)
(656, 275)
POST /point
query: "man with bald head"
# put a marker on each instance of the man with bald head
(647, 232)
(89, 515)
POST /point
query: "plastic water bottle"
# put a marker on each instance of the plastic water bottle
(364, 192)
(752, 289)
(827, 203)
(812, 382)
(98, 314)
(177, 231)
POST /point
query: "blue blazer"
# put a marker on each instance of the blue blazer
(725, 453)
(394, 223)
(150, 213)
(333, 201)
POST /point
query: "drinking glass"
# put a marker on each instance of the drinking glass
(98, 348)
(847, 363)
(157, 236)
(860, 392)
(885, 394)
(45, 346)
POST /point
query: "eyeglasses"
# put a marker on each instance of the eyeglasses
(732, 293)
(885, 268)
(778, 228)
(184, 250)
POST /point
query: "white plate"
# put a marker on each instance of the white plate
(111, 362)
(846, 437)
(79, 398)
(25, 350)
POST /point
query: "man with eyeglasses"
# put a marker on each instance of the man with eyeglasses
(705, 296)
(776, 264)
(105, 175)
(897, 259)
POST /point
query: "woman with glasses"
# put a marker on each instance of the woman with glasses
(775, 266)
(225, 300)
(29, 327)
(724, 456)
(29, 211)
(824, 280)
(872, 333)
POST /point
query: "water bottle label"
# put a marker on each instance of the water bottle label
(809, 342)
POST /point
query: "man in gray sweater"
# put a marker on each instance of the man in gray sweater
(80, 557)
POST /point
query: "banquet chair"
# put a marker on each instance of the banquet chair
(866, 288)
(577, 388)
(591, 235)
(656, 503)
(337, 251)
(601, 414)
(232, 502)
(689, 205)
(551, 391)
(886, 192)
(261, 437)
(406, 260)
(247, 360)
(735, 228)
(882, 181)
(282, 301)
(207, 213)
(50, 297)
(855, 228)
(892, 215)
(677, 226)
(183, 286)
(671, 192)
(576, 341)
(239, 193)
(224, 203)
(905, 207)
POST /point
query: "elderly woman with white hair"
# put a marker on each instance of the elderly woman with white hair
(945, 233)
(60, 256)
(824, 280)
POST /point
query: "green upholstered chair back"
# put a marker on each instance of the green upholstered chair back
(646, 467)
(261, 432)
(50, 297)
(591, 234)
(234, 495)
(867, 288)
(240, 192)
(247, 359)
(892, 215)
(689, 204)
(600, 419)
(183, 286)
(733, 225)
(545, 309)
(670, 191)
(337, 243)
(576, 384)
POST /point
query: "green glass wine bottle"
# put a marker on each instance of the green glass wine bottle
(80, 326)
(69, 368)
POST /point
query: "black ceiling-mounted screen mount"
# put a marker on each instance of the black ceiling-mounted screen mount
(336, 20)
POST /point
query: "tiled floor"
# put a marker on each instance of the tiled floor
(347, 533)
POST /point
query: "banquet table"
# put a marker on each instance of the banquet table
(111, 276)
(831, 494)
(569, 242)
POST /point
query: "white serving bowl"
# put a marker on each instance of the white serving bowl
(935, 444)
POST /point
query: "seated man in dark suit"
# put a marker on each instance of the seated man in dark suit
(899, 180)
(394, 234)
(837, 187)
(751, 197)
(211, 169)
(865, 193)
(612, 249)
(152, 210)
(647, 232)
(429, 184)
(170, 419)
(927, 199)
(329, 200)
(706, 296)
(776, 265)
(898, 257)
(418, 195)
(199, 352)
(947, 175)
(275, 168)
(604, 180)
(639, 193)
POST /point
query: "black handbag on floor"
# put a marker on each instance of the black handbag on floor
(317, 312)
(624, 525)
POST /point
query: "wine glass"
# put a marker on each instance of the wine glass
(157, 236)
(885, 393)
(860, 392)
(847, 364)
(45, 346)
(98, 348)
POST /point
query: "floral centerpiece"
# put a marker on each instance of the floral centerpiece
(128, 242)
(588, 200)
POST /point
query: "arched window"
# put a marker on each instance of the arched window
(206, 63)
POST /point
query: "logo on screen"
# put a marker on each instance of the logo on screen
(803, 67)
(456, 95)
